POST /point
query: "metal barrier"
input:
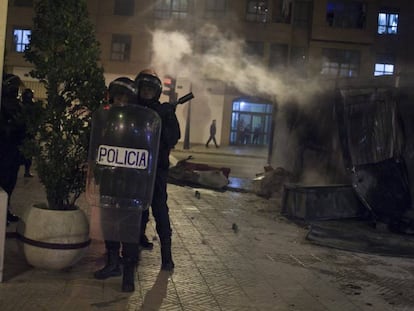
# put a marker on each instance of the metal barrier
(3, 224)
(314, 203)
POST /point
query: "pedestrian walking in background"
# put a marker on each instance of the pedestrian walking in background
(212, 137)
(149, 90)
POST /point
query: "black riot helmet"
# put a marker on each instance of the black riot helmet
(27, 96)
(149, 87)
(10, 85)
(122, 91)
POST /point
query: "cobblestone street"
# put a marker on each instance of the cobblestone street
(232, 250)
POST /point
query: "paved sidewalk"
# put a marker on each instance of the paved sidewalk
(251, 151)
(232, 250)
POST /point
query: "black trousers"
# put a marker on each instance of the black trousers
(211, 138)
(129, 250)
(9, 168)
(159, 208)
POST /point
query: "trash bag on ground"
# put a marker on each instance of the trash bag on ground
(270, 182)
(198, 174)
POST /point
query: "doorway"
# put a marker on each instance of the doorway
(250, 122)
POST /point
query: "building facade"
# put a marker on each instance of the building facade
(243, 60)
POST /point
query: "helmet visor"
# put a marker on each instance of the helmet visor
(147, 91)
(122, 100)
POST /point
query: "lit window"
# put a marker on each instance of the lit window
(257, 11)
(215, 8)
(121, 47)
(384, 64)
(250, 122)
(383, 69)
(21, 39)
(166, 9)
(387, 23)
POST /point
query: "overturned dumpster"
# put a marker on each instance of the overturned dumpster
(372, 136)
(370, 209)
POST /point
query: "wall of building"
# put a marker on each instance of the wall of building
(213, 100)
(3, 19)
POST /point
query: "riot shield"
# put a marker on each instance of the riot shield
(122, 165)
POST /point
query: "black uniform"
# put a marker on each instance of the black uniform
(12, 133)
(149, 91)
(11, 136)
(170, 134)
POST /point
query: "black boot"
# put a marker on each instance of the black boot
(128, 276)
(167, 263)
(145, 243)
(111, 268)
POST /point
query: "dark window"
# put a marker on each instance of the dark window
(346, 14)
(254, 49)
(26, 3)
(215, 8)
(124, 7)
(282, 11)
(384, 65)
(278, 55)
(302, 15)
(166, 9)
(387, 23)
(340, 63)
(21, 38)
(257, 11)
(299, 59)
(121, 47)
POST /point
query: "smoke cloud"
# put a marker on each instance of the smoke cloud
(218, 55)
(223, 59)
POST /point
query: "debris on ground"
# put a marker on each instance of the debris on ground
(197, 194)
(270, 182)
(234, 227)
(186, 172)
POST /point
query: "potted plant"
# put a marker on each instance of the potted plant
(64, 53)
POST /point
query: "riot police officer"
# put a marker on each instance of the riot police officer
(12, 134)
(121, 91)
(149, 90)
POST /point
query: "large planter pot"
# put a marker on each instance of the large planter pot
(53, 239)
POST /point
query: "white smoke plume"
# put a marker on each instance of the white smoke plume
(218, 55)
(224, 59)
